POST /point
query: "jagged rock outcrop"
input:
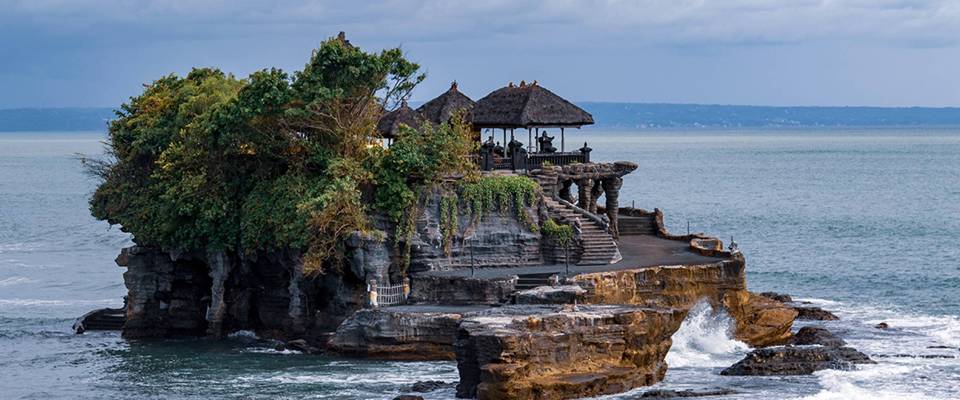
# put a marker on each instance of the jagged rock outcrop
(556, 352)
(793, 360)
(759, 320)
(815, 314)
(810, 335)
(397, 333)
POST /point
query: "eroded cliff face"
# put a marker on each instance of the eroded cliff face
(759, 321)
(558, 352)
(170, 295)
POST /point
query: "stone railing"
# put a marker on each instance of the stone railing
(519, 159)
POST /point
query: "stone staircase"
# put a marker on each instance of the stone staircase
(630, 225)
(599, 247)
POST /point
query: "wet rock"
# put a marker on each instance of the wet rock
(567, 294)
(815, 314)
(408, 397)
(301, 345)
(675, 394)
(783, 298)
(810, 335)
(558, 352)
(104, 319)
(429, 386)
(793, 360)
(882, 325)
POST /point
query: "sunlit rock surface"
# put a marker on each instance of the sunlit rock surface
(561, 352)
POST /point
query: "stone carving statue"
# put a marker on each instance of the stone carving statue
(546, 143)
(498, 149)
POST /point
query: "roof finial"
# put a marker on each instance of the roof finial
(534, 83)
(523, 83)
(511, 84)
(453, 86)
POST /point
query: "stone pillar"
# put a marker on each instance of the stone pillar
(296, 309)
(564, 191)
(220, 266)
(584, 189)
(595, 192)
(611, 187)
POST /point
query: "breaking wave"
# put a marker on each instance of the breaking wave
(704, 340)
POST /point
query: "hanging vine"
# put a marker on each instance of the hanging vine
(449, 222)
(519, 192)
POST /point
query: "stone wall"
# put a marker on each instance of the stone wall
(430, 289)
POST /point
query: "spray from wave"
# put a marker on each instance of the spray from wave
(705, 340)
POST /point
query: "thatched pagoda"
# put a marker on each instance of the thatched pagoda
(530, 107)
(443, 107)
(389, 124)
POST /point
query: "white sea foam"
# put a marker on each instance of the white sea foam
(42, 303)
(868, 383)
(243, 334)
(14, 280)
(704, 340)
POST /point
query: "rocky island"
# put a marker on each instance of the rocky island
(320, 210)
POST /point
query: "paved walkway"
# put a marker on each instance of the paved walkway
(638, 251)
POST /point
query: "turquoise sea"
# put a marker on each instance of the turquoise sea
(864, 222)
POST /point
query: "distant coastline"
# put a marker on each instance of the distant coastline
(613, 116)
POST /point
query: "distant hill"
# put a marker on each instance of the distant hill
(55, 119)
(653, 115)
(606, 115)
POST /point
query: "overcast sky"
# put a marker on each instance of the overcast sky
(766, 52)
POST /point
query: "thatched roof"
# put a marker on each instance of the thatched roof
(440, 109)
(527, 106)
(390, 122)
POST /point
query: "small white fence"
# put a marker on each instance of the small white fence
(388, 295)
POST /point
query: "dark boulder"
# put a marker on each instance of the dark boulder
(882, 325)
(810, 335)
(104, 319)
(815, 314)
(301, 345)
(783, 298)
(792, 360)
(408, 397)
(429, 386)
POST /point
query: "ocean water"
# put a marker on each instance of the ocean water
(865, 223)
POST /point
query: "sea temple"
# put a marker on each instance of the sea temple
(509, 264)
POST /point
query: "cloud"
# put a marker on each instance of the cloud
(691, 22)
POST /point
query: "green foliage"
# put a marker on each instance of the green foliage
(264, 163)
(562, 234)
(500, 192)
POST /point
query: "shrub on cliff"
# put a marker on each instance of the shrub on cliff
(269, 162)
